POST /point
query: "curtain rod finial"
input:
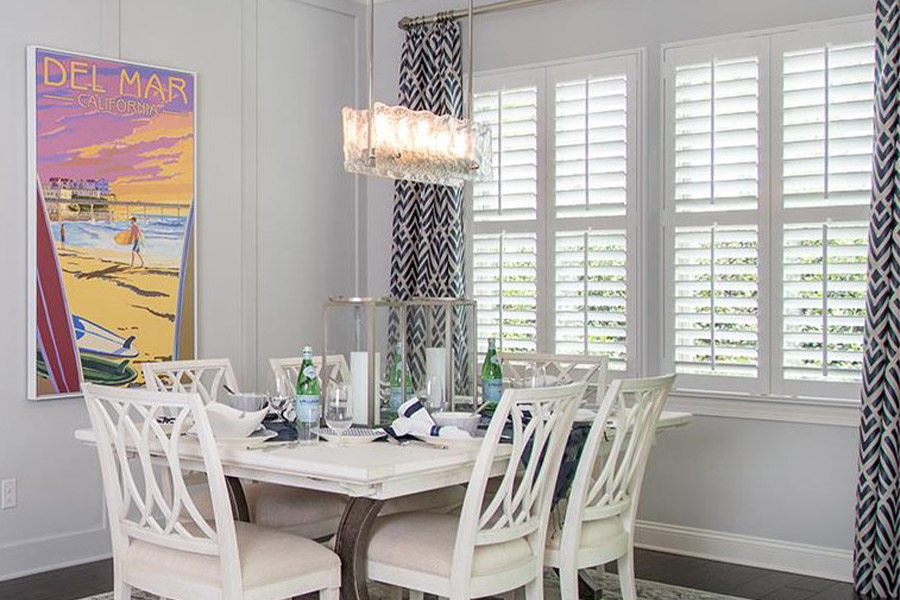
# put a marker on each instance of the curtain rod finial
(404, 23)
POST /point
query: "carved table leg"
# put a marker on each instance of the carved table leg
(351, 542)
(239, 508)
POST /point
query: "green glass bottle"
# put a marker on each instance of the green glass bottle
(306, 399)
(491, 378)
(399, 393)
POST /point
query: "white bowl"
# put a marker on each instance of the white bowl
(227, 422)
(462, 420)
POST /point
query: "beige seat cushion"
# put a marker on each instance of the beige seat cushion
(315, 514)
(442, 500)
(267, 556)
(310, 513)
(593, 533)
(424, 542)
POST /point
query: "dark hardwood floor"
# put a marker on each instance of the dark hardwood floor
(723, 578)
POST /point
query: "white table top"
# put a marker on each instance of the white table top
(377, 470)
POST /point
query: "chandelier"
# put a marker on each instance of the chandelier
(415, 145)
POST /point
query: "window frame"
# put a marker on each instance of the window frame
(544, 77)
(770, 215)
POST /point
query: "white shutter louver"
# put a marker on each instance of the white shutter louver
(591, 294)
(824, 290)
(716, 300)
(591, 130)
(504, 274)
(828, 99)
(512, 193)
(717, 135)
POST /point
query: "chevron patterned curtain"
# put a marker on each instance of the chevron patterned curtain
(876, 570)
(428, 243)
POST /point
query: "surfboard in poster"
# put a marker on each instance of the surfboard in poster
(112, 160)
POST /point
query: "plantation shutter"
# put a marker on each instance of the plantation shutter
(504, 263)
(591, 152)
(827, 102)
(504, 270)
(716, 300)
(592, 146)
(715, 129)
(512, 192)
(716, 135)
(591, 294)
(824, 278)
(552, 232)
(827, 112)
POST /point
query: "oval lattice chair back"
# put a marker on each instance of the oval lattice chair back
(598, 526)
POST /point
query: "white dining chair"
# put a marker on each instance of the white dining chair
(311, 513)
(206, 377)
(598, 526)
(287, 369)
(161, 543)
(496, 544)
(566, 368)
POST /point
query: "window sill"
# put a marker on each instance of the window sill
(818, 411)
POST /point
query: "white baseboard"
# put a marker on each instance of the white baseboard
(56, 552)
(805, 559)
(37, 555)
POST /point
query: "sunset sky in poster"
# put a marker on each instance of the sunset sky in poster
(139, 137)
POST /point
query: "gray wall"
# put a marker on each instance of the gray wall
(273, 200)
(782, 481)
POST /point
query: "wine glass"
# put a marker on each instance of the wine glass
(281, 392)
(338, 408)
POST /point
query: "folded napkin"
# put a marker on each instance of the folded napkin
(414, 419)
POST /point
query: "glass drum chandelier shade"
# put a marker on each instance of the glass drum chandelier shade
(416, 145)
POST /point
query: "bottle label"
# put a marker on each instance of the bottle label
(311, 372)
(307, 409)
(491, 390)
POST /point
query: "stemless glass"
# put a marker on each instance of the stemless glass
(338, 408)
(537, 375)
(433, 394)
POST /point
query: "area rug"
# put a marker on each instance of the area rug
(609, 583)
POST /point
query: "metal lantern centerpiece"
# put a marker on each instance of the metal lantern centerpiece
(416, 145)
(375, 321)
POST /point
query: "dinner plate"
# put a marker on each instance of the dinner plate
(351, 437)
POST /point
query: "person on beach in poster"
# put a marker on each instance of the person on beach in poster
(112, 148)
(137, 241)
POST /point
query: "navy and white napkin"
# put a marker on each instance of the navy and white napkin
(414, 419)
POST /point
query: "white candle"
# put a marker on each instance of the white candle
(436, 366)
(359, 379)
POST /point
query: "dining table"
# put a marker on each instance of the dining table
(368, 474)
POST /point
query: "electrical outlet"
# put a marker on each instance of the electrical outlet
(8, 494)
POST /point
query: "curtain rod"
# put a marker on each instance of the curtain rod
(407, 22)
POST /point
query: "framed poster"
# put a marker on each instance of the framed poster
(111, 220)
